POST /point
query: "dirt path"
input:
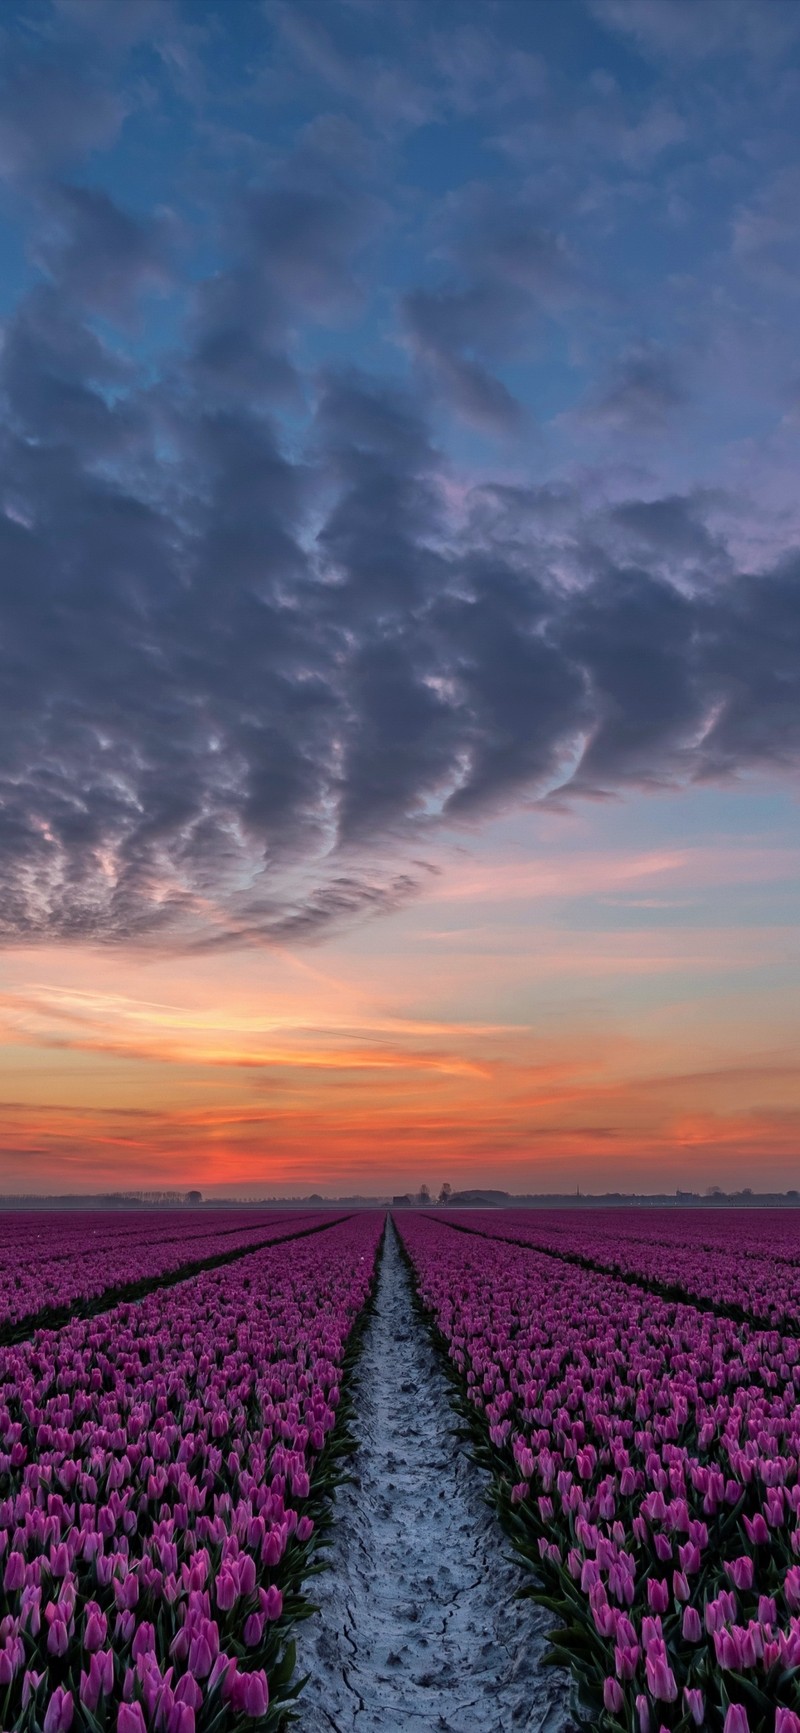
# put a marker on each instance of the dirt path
(417, 1628)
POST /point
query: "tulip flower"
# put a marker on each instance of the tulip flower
(255, 1694)
(613, 1696)
(736, 1719)
(694, 1704)
(95, 1628)
(130, 1718)
(691, 1625)
(59, 1712)
(30, 1686)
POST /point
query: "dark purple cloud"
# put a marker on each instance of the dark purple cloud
(273, 612)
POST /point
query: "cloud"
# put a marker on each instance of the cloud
(52, 114)
(254, 663)
(102, 257)
(641, 394)
(684, 32)
(266, 630)
(510, 270)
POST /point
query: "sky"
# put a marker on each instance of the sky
(399, 595)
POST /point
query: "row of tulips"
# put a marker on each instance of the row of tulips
(49, 1274)
(645, 1456)
(164, 1471)
(745, 1266)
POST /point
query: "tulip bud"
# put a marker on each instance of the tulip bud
(692, 1625)
(255, 1694)
(60, 1710)
(30, 1686)
(14, 1573)
(180, 1719)
(740, 1571)
(643, 1713)
(613, 1695)
(253, 1630)
(95, 1628)
(130, 1718)
(736, 1719)
(693, 1700)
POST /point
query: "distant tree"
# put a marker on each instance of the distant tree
(423, 1195)
(446, 1192)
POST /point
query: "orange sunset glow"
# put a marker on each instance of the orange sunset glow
(546, 1024)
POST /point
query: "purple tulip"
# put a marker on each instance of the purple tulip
(188, 1691)
(30, 1686)
(253, 1630)
(99, 1680)
(59, 1712)
(181, 1719)
(255, 1694)
(736, 1719)
(130, 1718)
(272, 1604)
(14, 1573)
(613, 1696)
(740, 1571)
(691, 1625)
(95, 1628)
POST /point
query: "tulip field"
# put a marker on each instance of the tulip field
(174, 1417)
(161, 1467)
(95, 1259)
(644, 1450)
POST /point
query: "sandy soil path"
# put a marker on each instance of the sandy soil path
(417, 1629)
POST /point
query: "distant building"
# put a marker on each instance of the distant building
(403, 1202)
